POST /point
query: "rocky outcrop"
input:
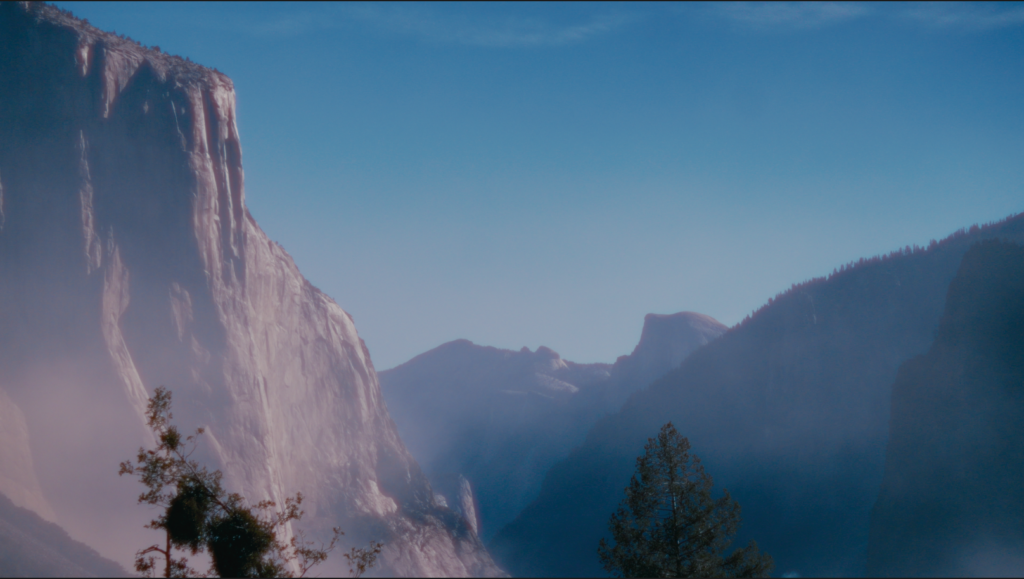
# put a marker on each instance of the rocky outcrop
(130, 261)
(501, 418)
(17, 473)
(456, 492)
(951, 503)
(666, 340)
(789, 411)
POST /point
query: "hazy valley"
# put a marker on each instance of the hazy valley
(868, 422)
(501, 419)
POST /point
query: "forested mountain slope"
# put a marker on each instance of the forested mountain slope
(789, 411)
(952, 499)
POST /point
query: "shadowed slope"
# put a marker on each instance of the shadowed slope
(32, 547)
(952, 502)
(789, 411)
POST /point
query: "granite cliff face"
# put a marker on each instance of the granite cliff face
(666, 340)
(18, 474)
(501, 418)
(129, 261)
(951, 503)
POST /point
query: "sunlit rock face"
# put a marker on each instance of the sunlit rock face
(501, 418)
(17, 473)
(128, 260)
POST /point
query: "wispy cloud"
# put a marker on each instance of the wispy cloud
(788, 15)
(291, 25)
(962, 16)
(493, 30)
(431, 23)
(967, 16)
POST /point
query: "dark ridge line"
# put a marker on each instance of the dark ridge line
(861, 263)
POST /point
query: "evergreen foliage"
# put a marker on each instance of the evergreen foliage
(670, 526)
(237, 544)
(199, 515)
(951, 503)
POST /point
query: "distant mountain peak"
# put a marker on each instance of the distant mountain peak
(666, 340)
(500, 417)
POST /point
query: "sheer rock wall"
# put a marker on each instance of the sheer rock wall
(17, 473)
(128, 260)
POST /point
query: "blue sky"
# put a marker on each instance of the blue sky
(546, 174)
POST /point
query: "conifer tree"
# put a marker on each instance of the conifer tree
(670, 526)
(199, 515)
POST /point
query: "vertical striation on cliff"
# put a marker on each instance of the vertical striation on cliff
(128, 260)
(17, 473)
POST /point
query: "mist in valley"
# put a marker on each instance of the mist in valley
(792, 230)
